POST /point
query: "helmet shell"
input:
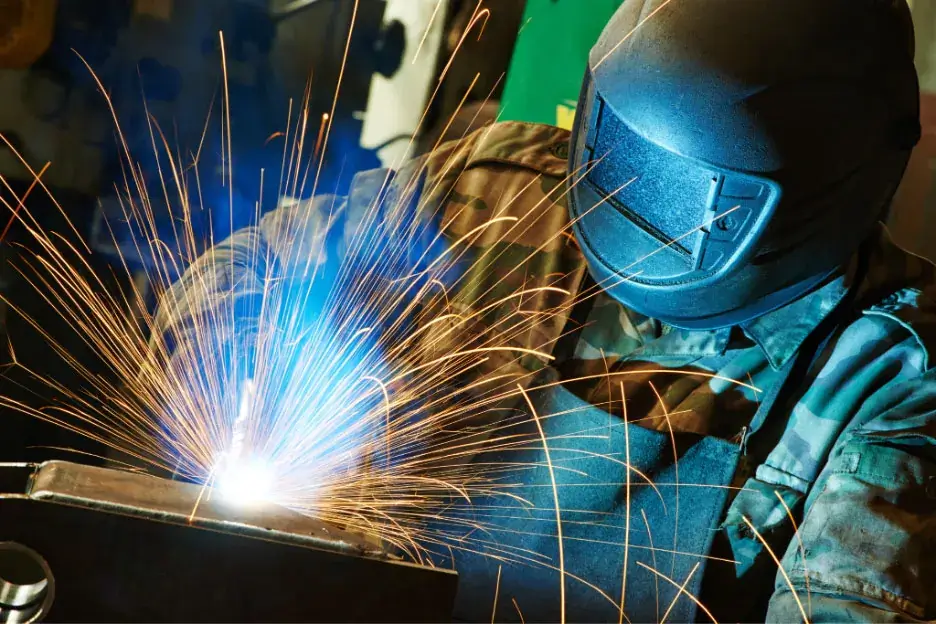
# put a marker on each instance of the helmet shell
(728, 156)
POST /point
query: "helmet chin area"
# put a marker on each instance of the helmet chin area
(704, 307)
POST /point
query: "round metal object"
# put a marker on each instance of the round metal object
(26, 584)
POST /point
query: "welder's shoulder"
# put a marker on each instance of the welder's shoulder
(514, 144)
(902, 291)
(508, 169)
(500, 151)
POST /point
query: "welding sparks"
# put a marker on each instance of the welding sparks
(352, 395)
(344, 396)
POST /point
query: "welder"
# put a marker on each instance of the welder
(728, 174)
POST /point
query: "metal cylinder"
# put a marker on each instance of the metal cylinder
(26, 584)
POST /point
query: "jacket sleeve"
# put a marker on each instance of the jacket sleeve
(865, 549)
(219, 296)
(220, 293)
(213, 308)
(490, 201)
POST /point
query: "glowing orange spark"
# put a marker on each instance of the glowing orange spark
(422, 41)
(318, 139)
(552, 479)
(19, 204)
(656, 580)
(275, 135)
(783, 572)
(669, 426)
(519, 613)
(627, 505)
(681, 589)
(496, 592)
(802, 550)
(631, 32)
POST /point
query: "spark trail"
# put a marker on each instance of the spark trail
(348, 386)
(351, 382)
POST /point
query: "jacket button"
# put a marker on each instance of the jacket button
(745, 531)
(561, 151)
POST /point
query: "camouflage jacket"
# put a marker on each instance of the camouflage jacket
(856, 461)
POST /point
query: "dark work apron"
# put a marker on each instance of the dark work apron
(683, 512)
(594, 542)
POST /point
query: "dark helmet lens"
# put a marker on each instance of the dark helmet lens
(668, 196)
(657, 217)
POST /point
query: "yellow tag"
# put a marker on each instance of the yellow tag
(565, 116)
(159, 9)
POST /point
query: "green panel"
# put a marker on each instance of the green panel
(550, 57)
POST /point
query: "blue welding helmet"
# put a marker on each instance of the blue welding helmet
(730, 156)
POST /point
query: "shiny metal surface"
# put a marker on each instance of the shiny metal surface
(126, 546)
(145, 496)
(26, 584)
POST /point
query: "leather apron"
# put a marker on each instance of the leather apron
(672, 524)
(683, 513)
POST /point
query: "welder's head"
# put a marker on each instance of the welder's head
(735, 154)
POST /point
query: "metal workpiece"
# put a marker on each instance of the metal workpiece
(146, 496)
(96, 544)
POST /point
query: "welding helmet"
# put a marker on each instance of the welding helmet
(730, 156)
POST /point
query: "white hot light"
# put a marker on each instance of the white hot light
(242, 481)
(245, 483)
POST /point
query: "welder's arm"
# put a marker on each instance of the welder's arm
(869, 530)
(218, 298)
(229, 280)
(213, 308)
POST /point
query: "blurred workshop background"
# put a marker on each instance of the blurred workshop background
(526, 65)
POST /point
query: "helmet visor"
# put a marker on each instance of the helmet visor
(654, 216)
